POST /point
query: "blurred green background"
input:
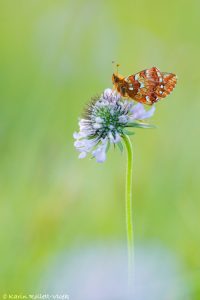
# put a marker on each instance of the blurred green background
(54, 56)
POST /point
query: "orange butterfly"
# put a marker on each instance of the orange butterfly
(147, 86)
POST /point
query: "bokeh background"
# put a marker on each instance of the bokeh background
(54, 56)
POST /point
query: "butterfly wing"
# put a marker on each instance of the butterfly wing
(169, 83)
(150, 85)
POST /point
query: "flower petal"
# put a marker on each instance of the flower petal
(107, 94)
(110, 95)
(76, 135)
(100, 153)
(123, 119)
(138, 112)
(149, 113)
(82, 154)
(114, 138)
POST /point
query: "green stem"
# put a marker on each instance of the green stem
(129, 225)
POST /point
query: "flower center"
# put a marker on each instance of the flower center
(109, 120)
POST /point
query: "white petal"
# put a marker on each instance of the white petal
(117, 138)
(100, 153)
(123, 119)
(111, 137)
(79, 135)
(96, 125)
(138, 112)
(79, 144)
(107, 94)
(98, 120)
(76, 135)
(150, 112)
(82, 154)
(110, 95)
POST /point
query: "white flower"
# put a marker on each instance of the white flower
(105, 122)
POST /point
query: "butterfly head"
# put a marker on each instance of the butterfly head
(115, 78)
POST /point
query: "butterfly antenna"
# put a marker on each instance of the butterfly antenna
(117, 66)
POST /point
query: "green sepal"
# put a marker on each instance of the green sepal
(125, 131)
(140, 125)
(108, 146)
(120, 146)
(91, 137)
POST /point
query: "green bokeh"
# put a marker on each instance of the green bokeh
(54, 56)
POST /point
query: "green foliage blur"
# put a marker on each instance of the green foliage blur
(54, 56)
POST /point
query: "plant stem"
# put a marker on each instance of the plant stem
(129, 225)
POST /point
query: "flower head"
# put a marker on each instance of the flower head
(106, 121)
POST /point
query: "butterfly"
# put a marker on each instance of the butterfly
(148, 86)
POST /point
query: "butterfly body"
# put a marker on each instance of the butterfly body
(147, 86)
